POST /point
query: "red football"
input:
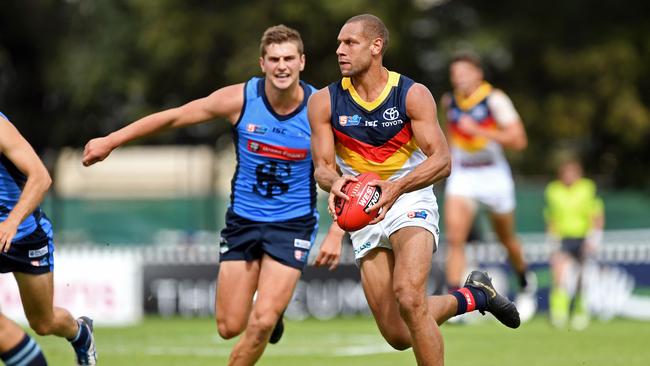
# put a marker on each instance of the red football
(351, 215)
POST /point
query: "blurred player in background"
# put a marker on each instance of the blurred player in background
(481, 122)
(26, 250)
(272, 218)
(375, 120)
(575, 218)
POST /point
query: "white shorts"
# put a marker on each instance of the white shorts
(491, 186)
(418, 208)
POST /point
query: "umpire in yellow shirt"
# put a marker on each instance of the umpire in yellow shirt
(574, 216)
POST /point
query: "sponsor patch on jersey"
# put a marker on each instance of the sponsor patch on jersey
(417, 215)
(301, 243)
(350, 120)
(391, 114)
(276, 152)
(253, 128)
(300, 255)
(38, 252)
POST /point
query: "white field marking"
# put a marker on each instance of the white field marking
(341, 351)
(368, 349)
(335, 339)
(187, 351)
(349, 346)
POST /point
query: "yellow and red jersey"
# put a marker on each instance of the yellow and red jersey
(490, 109)
(374, 136)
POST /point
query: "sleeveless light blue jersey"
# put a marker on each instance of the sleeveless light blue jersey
(274, 179)
(12, 182)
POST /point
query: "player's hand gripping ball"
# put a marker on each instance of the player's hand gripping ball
(351, 215)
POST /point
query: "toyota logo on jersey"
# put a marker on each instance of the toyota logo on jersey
(391, 114)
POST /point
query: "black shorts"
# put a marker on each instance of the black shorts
(288, 242)
(575, 247)
(31, 254)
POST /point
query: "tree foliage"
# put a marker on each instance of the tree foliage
(577, 71)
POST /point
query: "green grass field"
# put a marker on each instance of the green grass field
(356, 341)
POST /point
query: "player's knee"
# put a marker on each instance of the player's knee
(228, 330)
(398, 342)
(262, 322)
(260, 326)
(455, 240)
(411, 302)
(400, 345)
(226, 333)
(42, 328)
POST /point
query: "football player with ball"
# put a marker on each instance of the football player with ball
(378, 121)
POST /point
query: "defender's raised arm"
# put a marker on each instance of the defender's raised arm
(226, 102)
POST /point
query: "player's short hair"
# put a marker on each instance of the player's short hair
(280, 34)
(373, 28)
(469, 57)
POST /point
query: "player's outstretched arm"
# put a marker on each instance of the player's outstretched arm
(322, 148)
(21, 154)
(226, 102)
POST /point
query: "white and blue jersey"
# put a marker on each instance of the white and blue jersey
(274, 180)
(32, 247)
